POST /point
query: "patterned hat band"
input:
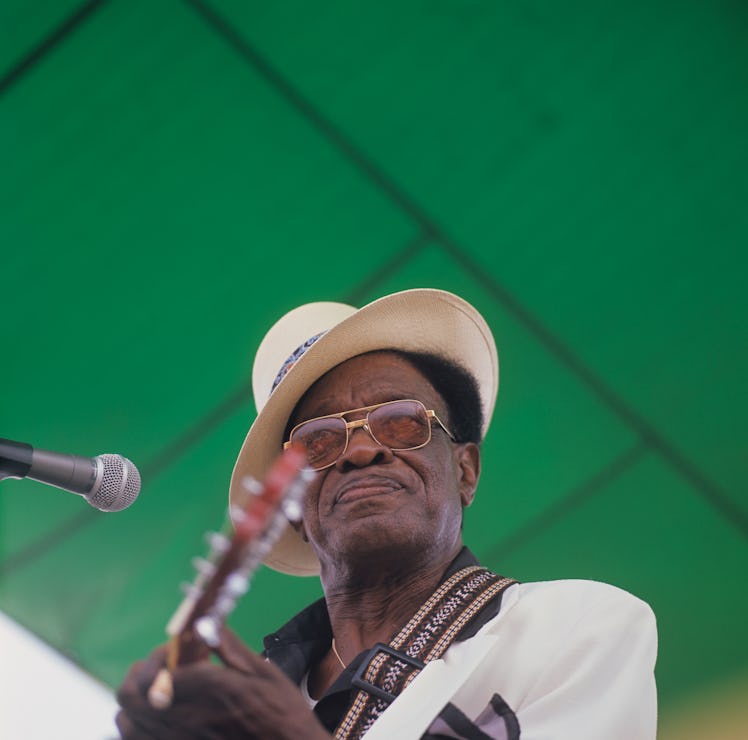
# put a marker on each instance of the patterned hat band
(293, 358)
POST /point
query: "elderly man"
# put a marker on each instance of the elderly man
(413, 639)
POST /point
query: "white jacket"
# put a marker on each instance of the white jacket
(571, 659)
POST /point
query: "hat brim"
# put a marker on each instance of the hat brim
(419, 320)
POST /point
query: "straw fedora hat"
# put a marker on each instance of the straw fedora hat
(312, 339)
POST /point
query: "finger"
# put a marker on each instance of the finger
(139, 678)
(124, 725)
(151, 666)
(129, 690)
(204, 682)
(129, 730)
(235, 654)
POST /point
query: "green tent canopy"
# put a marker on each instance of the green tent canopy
(176, 175)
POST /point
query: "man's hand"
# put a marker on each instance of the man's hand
(247, 698)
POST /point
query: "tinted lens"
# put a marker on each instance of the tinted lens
(323, 439)
(400, 425)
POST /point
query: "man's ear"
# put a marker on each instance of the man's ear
(468, 459)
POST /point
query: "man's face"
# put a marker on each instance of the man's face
(373, 503)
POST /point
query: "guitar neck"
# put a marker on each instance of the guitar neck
(224, 576)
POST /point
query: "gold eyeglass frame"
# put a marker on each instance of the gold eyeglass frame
(364, 423)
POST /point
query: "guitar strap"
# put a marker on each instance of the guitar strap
(388, 669)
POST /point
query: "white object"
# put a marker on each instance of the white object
(44, 695)
(572, 659)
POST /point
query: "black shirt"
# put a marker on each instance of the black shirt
(306, 639)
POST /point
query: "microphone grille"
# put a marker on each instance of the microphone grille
(117, 486)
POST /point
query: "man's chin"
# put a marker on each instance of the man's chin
(372, 543)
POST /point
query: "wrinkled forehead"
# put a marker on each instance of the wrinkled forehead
(363, 380)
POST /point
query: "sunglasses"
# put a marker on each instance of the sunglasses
(399, 425)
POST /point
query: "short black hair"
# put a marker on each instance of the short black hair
(457, 387)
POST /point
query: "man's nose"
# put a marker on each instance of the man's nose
(363, 449)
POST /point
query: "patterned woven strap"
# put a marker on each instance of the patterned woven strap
(388, 669)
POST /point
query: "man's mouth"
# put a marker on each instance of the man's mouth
(366, 488)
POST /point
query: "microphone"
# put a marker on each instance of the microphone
(107, 482)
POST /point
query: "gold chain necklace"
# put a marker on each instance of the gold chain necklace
(337, 655)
